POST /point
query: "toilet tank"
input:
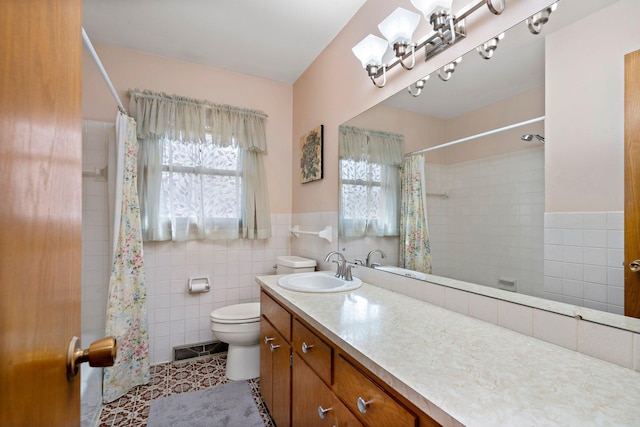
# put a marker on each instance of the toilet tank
(294, 264)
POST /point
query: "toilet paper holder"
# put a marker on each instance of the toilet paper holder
(199, 284)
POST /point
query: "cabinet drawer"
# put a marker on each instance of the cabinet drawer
(276, 314)
(313, 350)
(367, 399)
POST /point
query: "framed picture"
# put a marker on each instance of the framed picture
(311, 155)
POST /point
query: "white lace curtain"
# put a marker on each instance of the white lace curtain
(370, 163)
(201, 172)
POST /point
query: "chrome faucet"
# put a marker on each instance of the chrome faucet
(368, 261)
(342, 263)
(344, 267)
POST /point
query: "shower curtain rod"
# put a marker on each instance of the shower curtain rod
(480, 135)
(105, 76)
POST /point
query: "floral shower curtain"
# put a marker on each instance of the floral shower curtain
(415, 253)
(127, 299)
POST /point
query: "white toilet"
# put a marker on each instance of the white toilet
(239, 326)
(294, 264)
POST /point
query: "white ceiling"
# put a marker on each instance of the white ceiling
(275, 40)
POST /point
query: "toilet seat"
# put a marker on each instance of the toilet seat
(238, 313)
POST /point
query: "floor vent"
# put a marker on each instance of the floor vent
(190, 351)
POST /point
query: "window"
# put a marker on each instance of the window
(200, 169)
(201, 189)
(369, 182)
(360, 192)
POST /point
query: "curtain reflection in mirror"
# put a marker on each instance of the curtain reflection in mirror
(370, 163)
(415, 253)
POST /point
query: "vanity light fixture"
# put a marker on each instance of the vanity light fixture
(370, 51)
(419, 85)
(445, 72)
(487, 48)
(438, 13)
(399, 27)
(537, 21)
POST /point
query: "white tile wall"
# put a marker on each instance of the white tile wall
(177, 317)
(490, 226)
(95, 228)
(583, 255)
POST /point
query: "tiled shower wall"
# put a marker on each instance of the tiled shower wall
(489, 227)
(175, 316)
(95, 228)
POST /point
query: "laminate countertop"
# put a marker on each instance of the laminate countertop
(463, 371)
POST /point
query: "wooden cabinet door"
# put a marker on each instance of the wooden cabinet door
(266, 363)
(275, 373)
(310, 395)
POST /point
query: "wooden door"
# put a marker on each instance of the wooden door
(631, 182)
(40, 210)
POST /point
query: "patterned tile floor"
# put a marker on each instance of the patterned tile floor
(132, 410)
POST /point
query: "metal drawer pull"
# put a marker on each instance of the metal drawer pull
(363, 405)
(306, 347)
(267, 339)
(273, 347)
(322, 411)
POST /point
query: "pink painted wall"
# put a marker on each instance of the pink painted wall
(335, 88)
(585, 110)
(129, 69)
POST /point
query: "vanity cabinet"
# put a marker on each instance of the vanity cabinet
(275, 360)
(326, 386)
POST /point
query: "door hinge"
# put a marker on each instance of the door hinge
(291, 360)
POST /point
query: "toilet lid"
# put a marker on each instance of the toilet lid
(238, 313)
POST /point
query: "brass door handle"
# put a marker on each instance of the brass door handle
(101, 353)
(634, 266)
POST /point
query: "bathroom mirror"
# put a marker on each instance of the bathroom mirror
(510, 213)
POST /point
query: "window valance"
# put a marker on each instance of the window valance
(366, 145)
(184, 119)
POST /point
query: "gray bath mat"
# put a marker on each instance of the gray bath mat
(229, 405)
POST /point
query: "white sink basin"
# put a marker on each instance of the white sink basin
(318, 281)
(402, 271)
